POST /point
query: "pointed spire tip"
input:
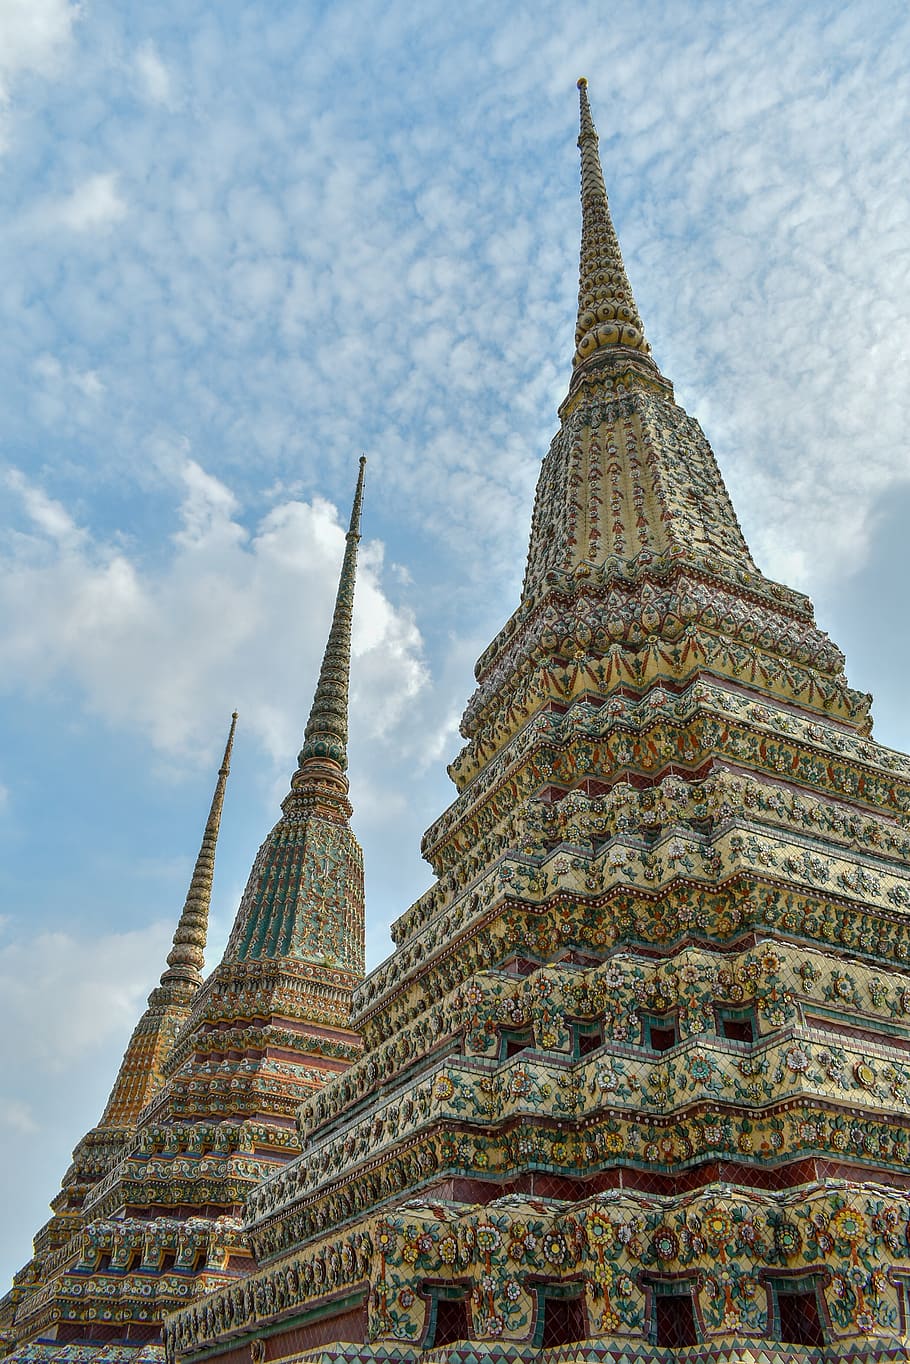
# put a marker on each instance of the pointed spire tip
(354, 524)
(229, 746)
(326, 733)
(187, 955)
(582, 82)
(608, 319)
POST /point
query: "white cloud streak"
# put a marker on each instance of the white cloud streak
(229, 611)
(35, 38)
(154, 77)
(94, 205)
(98, 986)
(34, 34)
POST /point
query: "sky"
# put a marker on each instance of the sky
(240, 243)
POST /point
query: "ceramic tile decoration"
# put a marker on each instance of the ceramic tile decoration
(634, 1084)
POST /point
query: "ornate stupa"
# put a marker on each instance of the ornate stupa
(204, 1106)
(635, 1077)
(141, 1071)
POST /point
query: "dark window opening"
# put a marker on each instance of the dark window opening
(887, 1034)
(673, 1317)
(586, 1037)
(104, 1262)
(662, 1039)
(449, 1321)
(512, 1041)
(561, 1319)
(167, 1262)
(520, 966)
(798, 1320)
(573, 957)
(738, 1025)
(142, 1334)
(660, 1031)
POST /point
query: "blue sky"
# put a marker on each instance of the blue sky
(240, 243)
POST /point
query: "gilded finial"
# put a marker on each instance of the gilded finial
(326, 734)
(354, 523)
(187, 956)
(607, 315)
(587, 123)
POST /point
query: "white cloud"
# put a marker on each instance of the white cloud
(97, 986)
(33, 36)
(207, 508)
(48, 515)
(154, 76)
(17, 1115)
(230, 611)
(94, 204)
(63, 379)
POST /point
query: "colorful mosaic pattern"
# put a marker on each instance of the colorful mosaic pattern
(731, 1250)
(635, 1082)
(637, 1074)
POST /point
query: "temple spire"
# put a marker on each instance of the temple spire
(304, 897)
(140, 1075)
(607, 313)
(326, 734)
(187, 955)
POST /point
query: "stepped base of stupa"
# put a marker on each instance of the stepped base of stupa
(819, 1272)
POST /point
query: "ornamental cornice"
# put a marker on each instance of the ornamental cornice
(515, 912)
(727, 1243)
(592, 619)
(595, 715)
(659, 571)
(559, 681)
(283, 988)
(789, 1133)
(536, 826)
(621, 741)
(776, 976)
(703, 1075)
(621, 985)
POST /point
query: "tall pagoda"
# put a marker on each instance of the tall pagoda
(141, 1071)
(203, 1109)
(636, 1076)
